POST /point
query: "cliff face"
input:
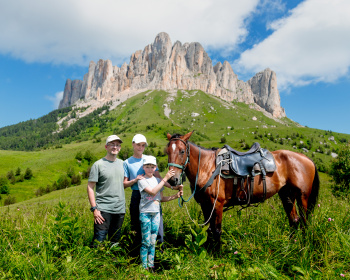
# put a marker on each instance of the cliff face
(162, 65)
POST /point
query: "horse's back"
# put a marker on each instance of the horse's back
(295, 167)
(286, 156)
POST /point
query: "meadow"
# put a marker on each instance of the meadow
(48, 238)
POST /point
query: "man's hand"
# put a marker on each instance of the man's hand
(98, 217)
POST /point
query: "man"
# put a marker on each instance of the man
(133, 172)
(107, 175)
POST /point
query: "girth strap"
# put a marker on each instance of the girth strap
(211, 180)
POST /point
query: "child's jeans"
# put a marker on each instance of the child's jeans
(149, 231)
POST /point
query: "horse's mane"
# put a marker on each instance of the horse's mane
(176, 135)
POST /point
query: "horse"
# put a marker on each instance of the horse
(295, 180)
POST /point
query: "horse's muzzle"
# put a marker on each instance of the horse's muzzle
(174, 181)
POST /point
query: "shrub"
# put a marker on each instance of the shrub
(321, 167)
(223, 140)
(40, 191)
(63, 182)
(4, 189)
(4, 185)
(89, 157)
(340, 172)
(79, 156)
(86, 173)
(9, 200)
(54, 186)
(76, 179)
(70, 171)
(20, 178)
(18, 171)
(13, 180)
(28, 174)
(10, 175)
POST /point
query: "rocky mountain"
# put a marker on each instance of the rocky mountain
(162, 65)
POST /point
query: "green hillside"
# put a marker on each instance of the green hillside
(218, 123)
(48, 236)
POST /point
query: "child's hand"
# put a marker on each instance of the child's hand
(170, 174)
(180, 187)
(180, 193)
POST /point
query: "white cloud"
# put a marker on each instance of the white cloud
(75, 32)
(311, 44)
(55, 99)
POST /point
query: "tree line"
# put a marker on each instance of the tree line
(42, 132)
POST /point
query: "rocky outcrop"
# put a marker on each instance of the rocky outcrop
(266, 95)
(162, 65)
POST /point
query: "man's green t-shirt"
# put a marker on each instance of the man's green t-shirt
(109, 176)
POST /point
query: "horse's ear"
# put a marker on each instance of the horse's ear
(187, 136)
(168, 136)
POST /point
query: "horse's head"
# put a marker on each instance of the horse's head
(178, 155)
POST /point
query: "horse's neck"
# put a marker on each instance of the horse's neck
(206, 162)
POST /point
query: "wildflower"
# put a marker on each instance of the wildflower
(329, 219)
(295, 240)
(230, 216)
(236, 252)
(342, 275)
(319, 205)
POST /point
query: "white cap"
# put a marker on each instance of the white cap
(139, 138)
(113, 138)
(149, 160)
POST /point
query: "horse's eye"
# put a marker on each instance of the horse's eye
(182, 152)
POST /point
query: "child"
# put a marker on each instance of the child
(133, 172)
(151, 189)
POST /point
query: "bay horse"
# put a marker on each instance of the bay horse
(295, 180)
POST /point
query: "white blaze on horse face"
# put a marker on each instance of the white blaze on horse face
(174, 147)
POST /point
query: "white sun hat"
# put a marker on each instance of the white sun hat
(149, 160)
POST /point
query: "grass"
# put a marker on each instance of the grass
(48, 238)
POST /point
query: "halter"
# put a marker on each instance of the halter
(183, 167)
(181, 200)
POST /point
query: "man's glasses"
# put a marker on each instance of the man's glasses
(114, 145)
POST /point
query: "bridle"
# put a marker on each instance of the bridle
(181, 200)
(183, 167)
(187, 161)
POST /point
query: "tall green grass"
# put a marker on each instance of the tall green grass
(49, 238)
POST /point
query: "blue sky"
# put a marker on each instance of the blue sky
(44, 42)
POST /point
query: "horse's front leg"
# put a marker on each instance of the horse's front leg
(214, 215)
(215, 224)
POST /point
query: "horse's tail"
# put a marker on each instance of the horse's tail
(314, 192)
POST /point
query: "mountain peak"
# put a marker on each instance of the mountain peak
(162, 65)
